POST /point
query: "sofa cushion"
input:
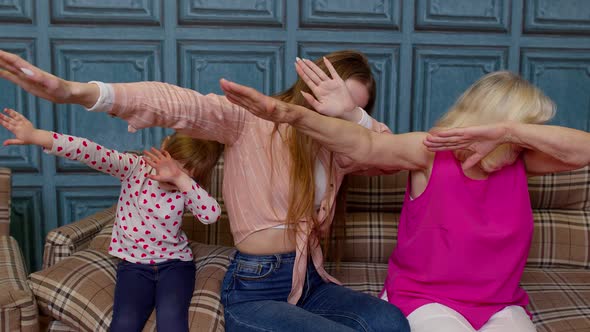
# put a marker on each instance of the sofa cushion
(566, 190)
(559, 298)
(561, 239)
(369, 236)
(383, 193)
(79, 290)
(102, 240)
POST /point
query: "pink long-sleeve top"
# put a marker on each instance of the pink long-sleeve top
(147, 225)
(255, 185)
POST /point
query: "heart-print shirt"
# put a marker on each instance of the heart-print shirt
(147, 226)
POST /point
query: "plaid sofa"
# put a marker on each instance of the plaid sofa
(18, 309)
(76, 285)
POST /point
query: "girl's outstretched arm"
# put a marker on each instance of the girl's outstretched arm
(96, 156)
(24, 131)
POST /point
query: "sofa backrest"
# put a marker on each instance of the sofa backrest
(5, 190)
(560, 202)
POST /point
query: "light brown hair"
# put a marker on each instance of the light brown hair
(198, 156)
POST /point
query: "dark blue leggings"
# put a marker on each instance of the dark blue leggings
(167, 286)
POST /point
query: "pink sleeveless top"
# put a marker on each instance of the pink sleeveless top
(463, 243)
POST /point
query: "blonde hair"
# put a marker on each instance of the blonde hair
(303, 150)
(198, 156)
(498, 97)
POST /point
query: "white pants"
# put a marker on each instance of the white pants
(437, 317)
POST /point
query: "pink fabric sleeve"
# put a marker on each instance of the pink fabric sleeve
(96, 156)
(156, 104)
(201, 204)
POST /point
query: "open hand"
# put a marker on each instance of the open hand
(20, 126)
(332, 97)
(480, 140)
(167, 169)
(262, 106)
(34, 80)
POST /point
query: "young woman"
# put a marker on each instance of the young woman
(156, 268)
(279, 187)
(464, 235)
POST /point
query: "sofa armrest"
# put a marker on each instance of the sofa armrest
(5, 186)
(18, 309)
(64, 241)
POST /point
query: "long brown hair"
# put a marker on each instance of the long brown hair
(349, 64)
(198, 156)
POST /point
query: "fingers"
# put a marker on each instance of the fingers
(13, 141)
(331, 68)
(7, 121)
(150, 156)
(239, 90)
(306, 79)
(435, 143)
(246, 97)
(157, 153)
(449, 132)
(234, 99)
(155, 177)
(471, 161)
(14, 114)
(316, 70)
(447, 147)
(309, 72)
(311, 100)
(16, 65)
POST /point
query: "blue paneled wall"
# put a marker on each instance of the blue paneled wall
(424, 53)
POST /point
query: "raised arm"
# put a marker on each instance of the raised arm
(548, 148)
(83, 150)
(142, 105)
(386, 151)
(204, 207)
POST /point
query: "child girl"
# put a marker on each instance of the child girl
(156, 268)
(464, 235)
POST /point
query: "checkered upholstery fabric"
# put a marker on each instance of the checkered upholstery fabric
(559, 201)
(559, 298)
(557, 275)
(64, 241)
(18, 309)
(5, 190)
(78, 290)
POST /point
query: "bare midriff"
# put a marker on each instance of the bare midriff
(267, 242)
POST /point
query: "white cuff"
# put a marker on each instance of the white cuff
(105, 100)
(366, 120)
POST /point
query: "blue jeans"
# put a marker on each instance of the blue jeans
(255, 291)
(167, 286)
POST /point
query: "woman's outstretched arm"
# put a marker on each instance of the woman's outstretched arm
(141, 104)
(44, 85)
(548, 148)
(386, 151)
